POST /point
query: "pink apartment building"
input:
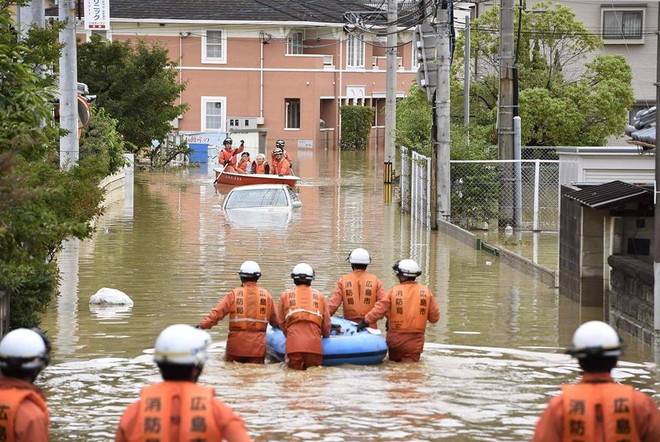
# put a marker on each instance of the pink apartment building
(273, 69)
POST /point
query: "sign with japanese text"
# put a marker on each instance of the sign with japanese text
(97, 14)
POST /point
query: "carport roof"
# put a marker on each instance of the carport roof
(607, 194)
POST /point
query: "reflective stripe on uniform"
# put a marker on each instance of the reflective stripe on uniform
(302, 310)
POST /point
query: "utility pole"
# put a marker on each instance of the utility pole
(466, 74)
(656, 233)
(442, 145)
(33, 14)
(505, 112)
(390, 91)
(69, 148)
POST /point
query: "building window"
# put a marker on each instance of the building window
(292, 112)
(214, 47)
(214, 113)
(355, 52)
(620, 24)
(294, 43)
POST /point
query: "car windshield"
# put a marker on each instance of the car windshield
(257, 198)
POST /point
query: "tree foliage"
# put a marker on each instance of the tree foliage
(560, 102)
(40, 205)
(136, 83)
(414, 119)
(101, 140)
(355, 127)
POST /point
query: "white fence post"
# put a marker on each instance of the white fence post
(535, 223)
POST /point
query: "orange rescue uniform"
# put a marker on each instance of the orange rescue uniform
(408, 307)
(305, 320)
(228, 156)
(598, 410)
(24, 415)
(281, 167)
(358, 291)
(177, 411)
(285, 155)
(250, 309)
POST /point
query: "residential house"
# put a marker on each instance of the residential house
(274, 69)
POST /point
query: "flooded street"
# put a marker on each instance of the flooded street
(489, 367)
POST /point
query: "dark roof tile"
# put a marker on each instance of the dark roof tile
(607, 194)
(321, 11)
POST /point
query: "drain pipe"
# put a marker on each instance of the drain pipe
(261, 77)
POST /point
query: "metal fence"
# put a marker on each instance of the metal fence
(487, 192)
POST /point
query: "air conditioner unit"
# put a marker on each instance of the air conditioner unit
(235, 124)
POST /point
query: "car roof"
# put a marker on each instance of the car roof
(260, 186)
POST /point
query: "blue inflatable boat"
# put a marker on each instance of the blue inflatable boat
(344, 346)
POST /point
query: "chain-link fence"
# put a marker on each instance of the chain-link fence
(521, 193)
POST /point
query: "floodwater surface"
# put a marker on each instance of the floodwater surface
(489, 367)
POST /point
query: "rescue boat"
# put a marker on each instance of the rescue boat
(345, 345)
(242, 179)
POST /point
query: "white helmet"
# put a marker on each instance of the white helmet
(303, 272)
(24, 349)
(407, 268)
(249, 269)
(182, 344)
(359, 256)
(595, 339)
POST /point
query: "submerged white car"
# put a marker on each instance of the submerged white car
(262, 196)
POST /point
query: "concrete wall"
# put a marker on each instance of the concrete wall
(511, 259)
(631, 297)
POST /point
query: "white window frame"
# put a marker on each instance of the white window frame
(294, 47)
(623, 39)
(287, 123)
(208, 59)
(223, 114)
(355, 53)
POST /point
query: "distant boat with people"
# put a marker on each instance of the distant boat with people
(242, 179)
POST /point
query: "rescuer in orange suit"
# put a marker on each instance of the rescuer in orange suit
(408, 307)
(357, 291)
(597, 408)
(227, 156)
(280, 165)
(305, 320)
(179, 409)
(250, 308)
(24, 415)
(279, 144)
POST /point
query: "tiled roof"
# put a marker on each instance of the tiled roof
(322, 11)
(607, 194)
(643, 131)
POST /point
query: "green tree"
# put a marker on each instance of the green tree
(136, 83)
(355, 127)
(40, 205)
(556, 108)
(414, 119)
(470, 204)
(101, 140)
